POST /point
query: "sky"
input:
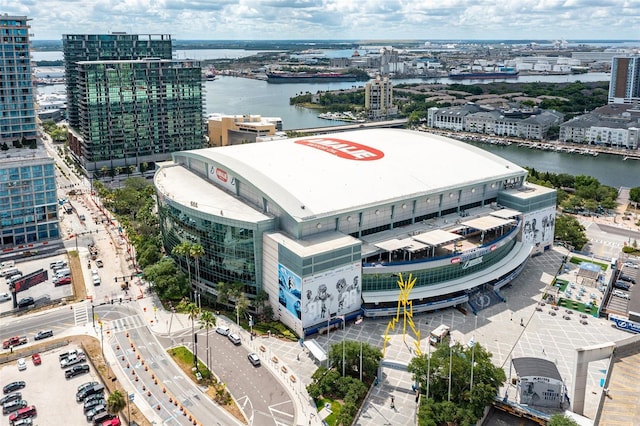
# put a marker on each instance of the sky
(336, 19)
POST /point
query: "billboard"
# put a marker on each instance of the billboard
(314, 299)
(538, 227)
(28, 281)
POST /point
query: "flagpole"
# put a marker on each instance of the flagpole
(428, 363)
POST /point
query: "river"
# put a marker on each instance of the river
(234, 95)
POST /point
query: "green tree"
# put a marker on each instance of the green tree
(207, 321)
(196, 251)
(183, 249)
(192, 312)
(467, 404)
(569, 229)
(371, 357)
(634, 194)
(168, 282)
(561, 420)
(116, 402)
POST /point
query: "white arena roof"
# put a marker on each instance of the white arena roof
(324, 175)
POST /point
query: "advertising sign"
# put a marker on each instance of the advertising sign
(626, 325)
(315, 298)
(222, 178)
(539, 226)
(28, 281)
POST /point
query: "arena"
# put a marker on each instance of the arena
(327, 225)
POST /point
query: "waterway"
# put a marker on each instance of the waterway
(234, 95)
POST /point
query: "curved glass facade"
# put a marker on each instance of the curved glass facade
(229, 246)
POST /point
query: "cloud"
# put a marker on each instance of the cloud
(335, 19)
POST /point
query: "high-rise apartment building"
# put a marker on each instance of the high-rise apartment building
(625, 80)
(17, 109)
(130, 104)
(28, 202)
(378, 98)
(106, 47)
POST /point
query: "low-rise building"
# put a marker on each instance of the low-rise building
(237, 129)
(613, 125)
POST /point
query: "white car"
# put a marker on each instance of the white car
(234, 338)
(222, 330)
(22, 364)
(621, 294)
(4, 297)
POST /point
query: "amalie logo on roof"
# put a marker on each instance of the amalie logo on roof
(343, 149)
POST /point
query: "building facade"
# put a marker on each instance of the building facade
(624, 87)
(134, 113)
(17, 101)
(237, 129)
(612, 125)
(106, 47)
(279, 217)
(28, 201)
(378, 98)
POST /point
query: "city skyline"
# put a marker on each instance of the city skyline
(335, 19)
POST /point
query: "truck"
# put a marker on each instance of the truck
(72, 360)
(439, 334)
(14, 341)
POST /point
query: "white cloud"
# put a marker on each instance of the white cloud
(335, 19)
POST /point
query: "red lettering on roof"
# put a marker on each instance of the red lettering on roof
(222, 175)
(343, 149)
(455, 260)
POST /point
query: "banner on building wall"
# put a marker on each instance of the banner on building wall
(331, 293)
(222, 178)
(314, 299)
(538, 227)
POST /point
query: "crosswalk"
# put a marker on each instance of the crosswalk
(126, 323)
(81, 313)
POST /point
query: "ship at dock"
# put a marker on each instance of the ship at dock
(309, 77)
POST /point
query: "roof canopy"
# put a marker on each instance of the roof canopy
(391, 245)
(412, 245)
(529, 367)
(486, 223)
(437, 237)
(506, 213)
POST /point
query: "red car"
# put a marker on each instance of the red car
(62, 281)
(36, 359)
(112, 422)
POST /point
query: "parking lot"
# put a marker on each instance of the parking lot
(47, 389)
(43, 292)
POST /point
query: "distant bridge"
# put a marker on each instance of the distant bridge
(354, 126)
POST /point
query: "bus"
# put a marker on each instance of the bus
(439, 334)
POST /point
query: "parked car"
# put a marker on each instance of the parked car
(23, 413)
(22, 364)
(27, 421)
(95, 410)
(101, 418)
(12, 406)
(58, 263)
(36, 359)
(43, 334)
(13, 386)
(67, 354)
(89, 405)
(27, 301)
(621, 294)
(622, 285)
(61, 281)
(5, 297)
(627, 278)
(99, 263)
(76, 370)
(85, 393)
(10, 397)
(72, 360)
(86, 385)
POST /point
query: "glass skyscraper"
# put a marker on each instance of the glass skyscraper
(130, 104)
(17, 110)
(28, 208)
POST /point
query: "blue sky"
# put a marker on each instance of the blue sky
(336, 19)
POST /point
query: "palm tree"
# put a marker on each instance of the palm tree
(116, 402)
(192, 311)
(196, 251)
(183, 249)
(207, 321)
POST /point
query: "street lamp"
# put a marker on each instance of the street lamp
(251, 326)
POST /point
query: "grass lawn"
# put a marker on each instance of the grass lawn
(578, 260)
(578, 306)
(561, 284)
(335, 408)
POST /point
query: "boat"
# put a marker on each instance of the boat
(482, 75)
(308, 77)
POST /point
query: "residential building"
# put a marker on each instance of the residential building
(613, 125)
(135, 113)
(624, 87)
(28, 198)
(106, 47)
(529, 123)
(17, 101)
(322, 225)
(237, 129)
(378, 101)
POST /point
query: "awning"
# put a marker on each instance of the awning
(391, 245)
(437, 237)
(486, 223)
(506, 213)
(413, 246)
(318, 353)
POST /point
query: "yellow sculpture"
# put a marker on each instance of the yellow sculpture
(407, 312)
